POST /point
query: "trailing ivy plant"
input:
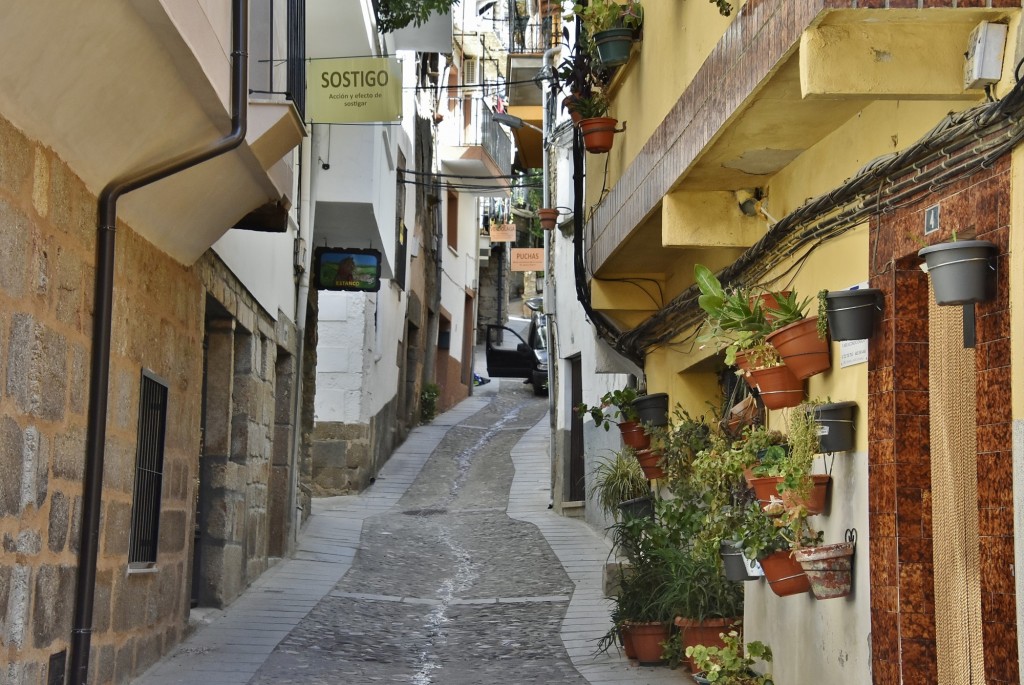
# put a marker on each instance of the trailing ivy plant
(397, 14)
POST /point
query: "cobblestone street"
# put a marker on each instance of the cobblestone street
(454, 572)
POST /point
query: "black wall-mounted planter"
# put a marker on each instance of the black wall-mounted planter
(851, 313)
(652, 409)
(836, 424)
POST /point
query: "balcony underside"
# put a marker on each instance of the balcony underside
(149, 81)
(832, 69)
(473, 171)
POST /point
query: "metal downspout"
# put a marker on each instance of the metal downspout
(546, 116)
(301, 305)
(99, 371)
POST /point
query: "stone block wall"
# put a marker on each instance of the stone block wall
(47, 228)
(347, 456)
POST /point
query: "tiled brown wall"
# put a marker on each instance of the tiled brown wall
(899, 500)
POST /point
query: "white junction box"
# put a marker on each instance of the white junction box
(984, 63)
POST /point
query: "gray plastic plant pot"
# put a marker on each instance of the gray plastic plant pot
(959, 270)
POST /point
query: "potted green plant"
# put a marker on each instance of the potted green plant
(834, 424)
(782, 477)
(849, 314)
(616, 406)
(611, 26)
(730, 664)
(735, 320)
(770, 540)
(597, 128)
(620, 487)
(797, 338)
(959, 270)
(777, 386)
(641, 612)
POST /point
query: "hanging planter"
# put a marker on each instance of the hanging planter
(737, 567)
(784, 575)
(613, 46)
(778, 387)
(769, 304)
(548, 217)
(598, 134)
(652, 409)
(851, 313)
(799, 345)
(959, 270)
(638, 507)
(634, 436)
(767, 487)
(835, 426)
(650, 462)
(829, 569)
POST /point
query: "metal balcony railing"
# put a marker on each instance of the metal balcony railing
(469, 123)
(533, 26)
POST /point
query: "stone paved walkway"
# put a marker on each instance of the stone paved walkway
(448, 570)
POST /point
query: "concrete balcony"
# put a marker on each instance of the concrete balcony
(156, 85)
(794, 72)
(475, 151)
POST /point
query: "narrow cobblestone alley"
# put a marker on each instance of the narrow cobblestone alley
(448, 570)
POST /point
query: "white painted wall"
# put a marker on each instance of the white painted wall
(460, 268)
(822, 641)
(263, 262)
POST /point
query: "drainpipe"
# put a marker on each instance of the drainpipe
(546, 113)
(301, 305)
(99, 371)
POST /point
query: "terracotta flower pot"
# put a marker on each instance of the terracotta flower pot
(647, 639)
(598, 134)
(778, 387)
(548, 217)
(649, 462)
(634, 436)
(815, 501)
(769, 304)
(829, 569)
(800, 347)
(707, 632)
(784, 575)
(627, 641)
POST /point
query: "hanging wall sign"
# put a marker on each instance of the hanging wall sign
(353, 89)
(347, 269)
(502, 233)
(527, 259)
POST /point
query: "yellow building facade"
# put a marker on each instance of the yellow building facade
(806, 145)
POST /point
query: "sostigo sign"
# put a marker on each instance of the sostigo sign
(353, 89)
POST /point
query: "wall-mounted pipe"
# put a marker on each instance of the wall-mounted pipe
(99, 370)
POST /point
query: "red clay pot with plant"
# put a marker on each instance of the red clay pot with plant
(650, 463)
(778, 387)
(634, 435)
(814, 502)
(799, 345)
(784, 575)
(647, 639)
(707, 632)
(598, 134)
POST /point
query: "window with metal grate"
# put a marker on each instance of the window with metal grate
(149, 466)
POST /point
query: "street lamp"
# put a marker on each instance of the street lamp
(514, 122)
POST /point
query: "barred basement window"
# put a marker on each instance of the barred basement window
(149, 467)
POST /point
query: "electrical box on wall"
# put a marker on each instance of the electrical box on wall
(984, 55)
